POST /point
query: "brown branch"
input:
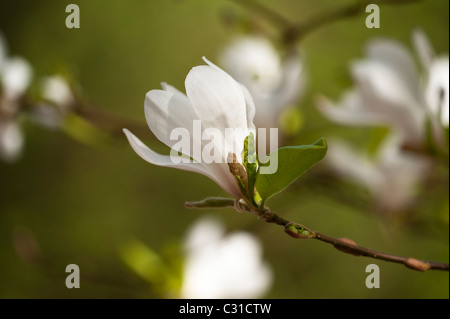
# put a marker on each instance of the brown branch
(299, 231)
(294, 32)
(297, 32)
(108, 121)
(266, 12)
(103, 119)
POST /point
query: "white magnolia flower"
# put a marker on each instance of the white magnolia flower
(274, 84)
(389, 91)
(15, 77)
(220, 265)
(437, 78)
(216, 100)
(392, 176)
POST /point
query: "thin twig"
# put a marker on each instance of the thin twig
(298, 31)
(103, 119)
(266, 12)
(108, 121)
(299, 231)
(294, 32)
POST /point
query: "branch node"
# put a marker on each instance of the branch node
(343, 246)
(417, 264)
(299, 231)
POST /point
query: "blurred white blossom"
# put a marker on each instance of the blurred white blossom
(436, 78)
(389, 90)
(392, 176)
(56, 90)
(216, 100)
(274, 83)
(15, 77)
(11, 140)
(58, 101)
(2, 51)
(220, 265)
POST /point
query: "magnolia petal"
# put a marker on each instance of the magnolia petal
(224, 178)
(216, 172)
(347, 162)
(251, 109)
(254, 62)
(11, 141)
(391, 176)
(56, 90)
(3, 50)
(423, 47)
(171, 89)
(398, 59)
(385, 83)
(207, 231)
(437, 89)
(15, 77)
(351, 110)
(292, 84)
(387, 95)
(363, 108)
(211, 271)
(400, 174)
(216, 97)
(251, 276)
(166, 110)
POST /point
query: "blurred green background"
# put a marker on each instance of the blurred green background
(79, 203)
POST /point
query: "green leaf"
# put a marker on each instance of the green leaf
(250, 163)
(292, 162)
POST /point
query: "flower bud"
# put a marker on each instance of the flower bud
(298, 231)
(417, 264)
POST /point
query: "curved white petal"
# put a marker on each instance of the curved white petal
(391, 176)
(166, 110)
(251, 109)
(401, 172)
(206, 231)
(293, 82)
(171, 89)
(397, 59)
(387, 95)
(216, 97)
(254, 62)
(15, 77)
(3, 51)
(217, 172)
(385, 83)
(351, 110)
(227, 266)
(289, 89)
(437, 89)
(423, 47)
(350, 164)
(273, 84)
